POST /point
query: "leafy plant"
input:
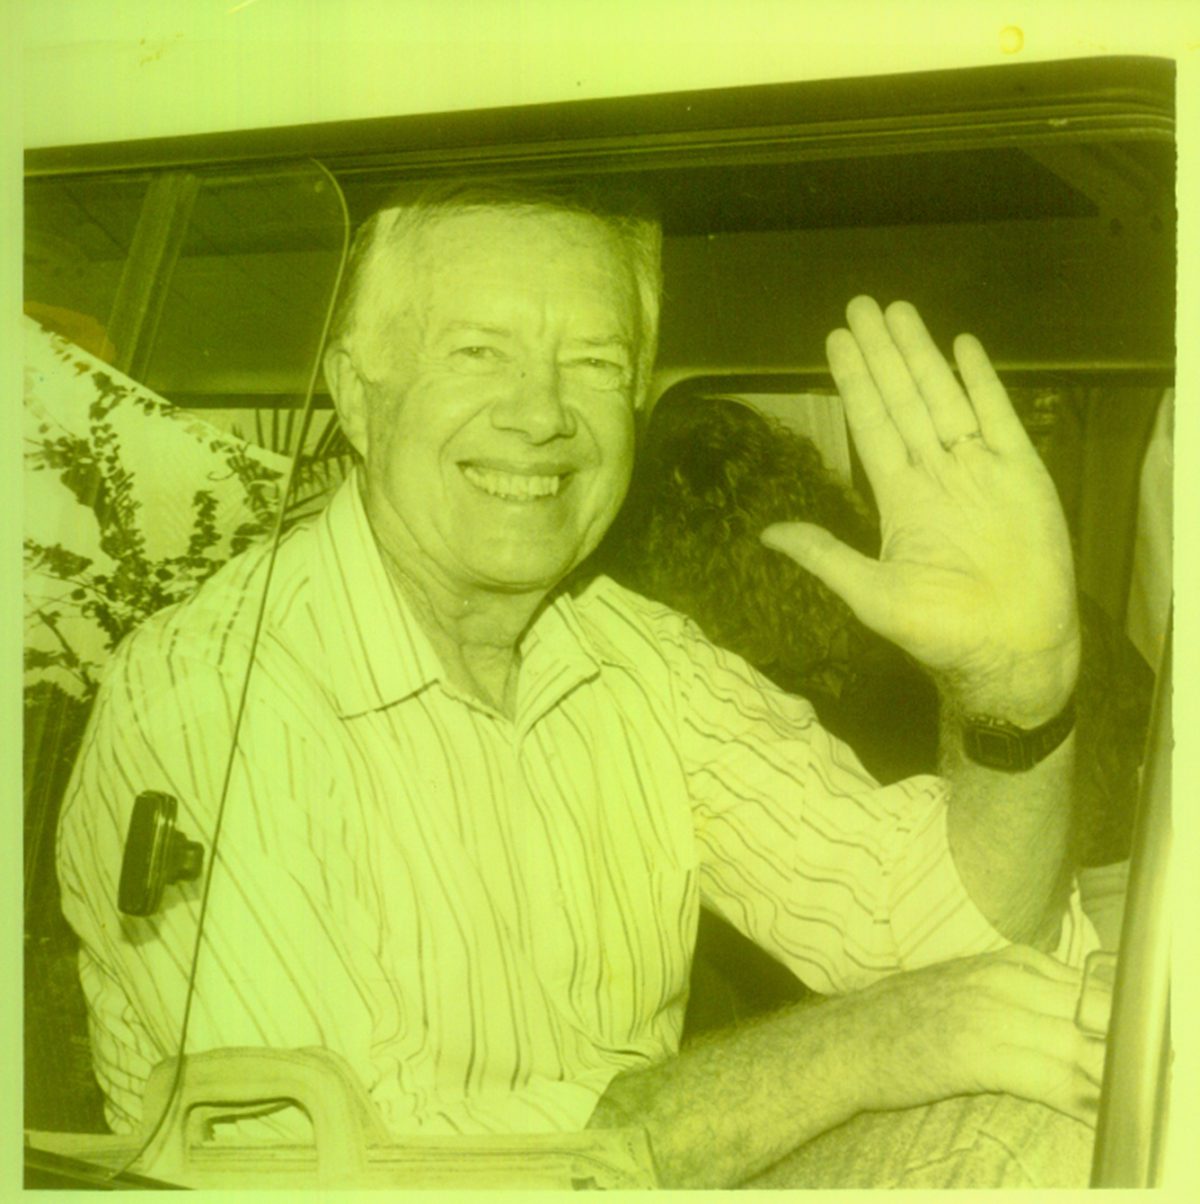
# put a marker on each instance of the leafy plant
(118, 595)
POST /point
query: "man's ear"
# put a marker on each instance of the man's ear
(349, 392)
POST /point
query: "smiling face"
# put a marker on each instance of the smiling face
(497, 434)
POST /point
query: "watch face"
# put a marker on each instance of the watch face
(1001, 745)
(995, 747)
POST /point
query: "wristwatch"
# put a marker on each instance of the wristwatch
(998, 744)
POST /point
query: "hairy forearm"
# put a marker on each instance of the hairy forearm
(1009, 834)
(736, 1102)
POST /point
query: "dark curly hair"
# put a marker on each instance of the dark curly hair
(711, 474)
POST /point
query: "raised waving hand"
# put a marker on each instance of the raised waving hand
(974, 577)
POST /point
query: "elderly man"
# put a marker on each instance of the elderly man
(477, 799)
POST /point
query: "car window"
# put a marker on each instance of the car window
(175, 314)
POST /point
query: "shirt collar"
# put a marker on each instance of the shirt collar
(377, 652)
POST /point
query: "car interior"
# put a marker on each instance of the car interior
(177, 295)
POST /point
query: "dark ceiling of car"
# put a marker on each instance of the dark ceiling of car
(1044, 181)
(888, 189)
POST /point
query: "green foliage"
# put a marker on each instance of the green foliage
(119, 598)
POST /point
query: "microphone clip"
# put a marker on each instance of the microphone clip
(157, 855)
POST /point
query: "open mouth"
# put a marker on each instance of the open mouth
(515, 486)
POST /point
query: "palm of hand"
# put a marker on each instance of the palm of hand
(975, 565)
(974, 578)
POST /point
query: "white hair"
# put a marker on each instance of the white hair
(372, 284)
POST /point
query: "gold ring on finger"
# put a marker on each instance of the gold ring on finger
(969, 437)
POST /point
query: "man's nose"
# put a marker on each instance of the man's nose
(534, 407)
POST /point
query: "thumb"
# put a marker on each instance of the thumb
(850, 574)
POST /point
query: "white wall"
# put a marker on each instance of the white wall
(103, 70)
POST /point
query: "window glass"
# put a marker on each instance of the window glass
(173, 323)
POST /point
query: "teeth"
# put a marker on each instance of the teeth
(512, 486)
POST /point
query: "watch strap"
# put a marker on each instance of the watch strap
(998, 744)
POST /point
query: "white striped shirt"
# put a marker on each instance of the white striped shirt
(489, 918)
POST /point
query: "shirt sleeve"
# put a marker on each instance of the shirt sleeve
(843, 880)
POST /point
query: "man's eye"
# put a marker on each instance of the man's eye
(477, 357)
(599, 371)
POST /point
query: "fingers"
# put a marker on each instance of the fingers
(1002, 429)
(1055, 1079)
(1036, 983)
(1042, 963)
(903, 401)
(1062, 1050)
(851, 575)
(891, 379)
(1040, 1051)
(1093, 1051)
(992, 1022)
(1094, 1010)
(951, 413)
(875, 435)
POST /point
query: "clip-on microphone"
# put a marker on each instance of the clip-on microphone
(156, 855)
